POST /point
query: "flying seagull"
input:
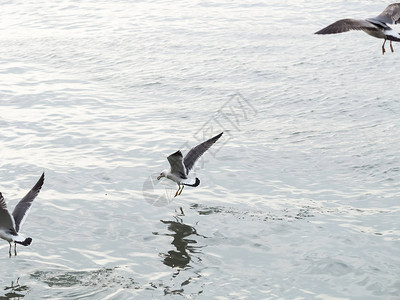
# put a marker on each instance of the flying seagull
(377, 27)
(180, 167)
(10, 224)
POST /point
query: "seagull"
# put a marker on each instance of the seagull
(10, 224)
(180, 167)
(377, 27)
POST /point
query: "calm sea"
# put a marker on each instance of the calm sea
(299, 199)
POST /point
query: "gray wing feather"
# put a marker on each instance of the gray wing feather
(6, 220)
(3, 205)
(347, 25)
(176, 162)
(22, 208)
(195, 153)
(390, 15)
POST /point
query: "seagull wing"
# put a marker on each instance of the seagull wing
(347, 25)
(22, 209)
(176, 162)
(195, 153)
(390, 15)
(6, 220)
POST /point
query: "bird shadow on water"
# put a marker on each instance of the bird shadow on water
(181, 258)
(15, 291)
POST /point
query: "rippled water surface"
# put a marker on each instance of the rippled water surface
(298, 199)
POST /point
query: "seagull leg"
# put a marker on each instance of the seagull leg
(391, 47)
(181, 189)
(9, 250)
(383, 47)
(15, 249)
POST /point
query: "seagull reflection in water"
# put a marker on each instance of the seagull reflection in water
(181, 256)
(15, 291)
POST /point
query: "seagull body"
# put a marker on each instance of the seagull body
(376, 27)
(10, 224)
(180, 167)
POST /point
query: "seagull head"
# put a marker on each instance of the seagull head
(162, 174)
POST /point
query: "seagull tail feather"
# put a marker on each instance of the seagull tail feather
(194, 184)
(26, 242)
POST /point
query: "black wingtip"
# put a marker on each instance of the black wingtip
(216, 138)
(40, 182)
(322, 31)
(177, 153)
(42, 177)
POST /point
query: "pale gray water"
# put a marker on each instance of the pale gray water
(301, 200)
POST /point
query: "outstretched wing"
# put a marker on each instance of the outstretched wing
(176, 162)
(22, 209)
(195, 153)
(390, 15)
(3, 205)
(6, 220)
(347, 25)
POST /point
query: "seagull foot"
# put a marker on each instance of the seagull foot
(391, 47)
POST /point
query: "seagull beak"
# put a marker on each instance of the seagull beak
(158, 178)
